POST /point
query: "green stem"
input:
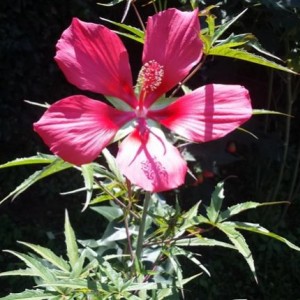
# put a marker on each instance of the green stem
(140, 240)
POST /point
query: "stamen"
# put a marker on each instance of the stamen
(150, 76)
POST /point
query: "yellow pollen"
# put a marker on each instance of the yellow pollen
(150, 76)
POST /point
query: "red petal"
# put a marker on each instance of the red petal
(207, 113)
(78, 128)
(172, 40)
(148, 160)
(93, 58)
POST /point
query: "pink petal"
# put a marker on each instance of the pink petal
(93, 58)
(208, 113)
(172, 40)
(148, 160)
(78, 128)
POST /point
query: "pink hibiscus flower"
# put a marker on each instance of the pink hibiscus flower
(93, 58)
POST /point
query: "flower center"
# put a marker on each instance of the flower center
(150, 76)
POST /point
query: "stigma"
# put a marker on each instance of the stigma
(150, 76)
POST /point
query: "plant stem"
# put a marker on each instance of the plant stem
(140, 240)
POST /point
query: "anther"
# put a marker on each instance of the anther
(150, 76)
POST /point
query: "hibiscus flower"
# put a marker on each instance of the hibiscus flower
(93, 58)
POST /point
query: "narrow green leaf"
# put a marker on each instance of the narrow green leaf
(72, 248)
(135, 31)
(206, 242)
(191, 256)
(112, 164)
(256, 228)
(238, 208)
(49, 255)
(35, 265)
(247, 56)
(213, 209)
(30, 295)
(44, 105)
(112, 3)
(87, 172)
(119, 104)
(56, 166)
(222, 28)
(240, 243)
(37, 159)
(20, 272)
(269, 112)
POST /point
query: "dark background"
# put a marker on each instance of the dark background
(29, 30)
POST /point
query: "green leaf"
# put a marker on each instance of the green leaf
(20, 272)
(37, 159)
(238, 208)
(49, 256)
(72, 248)
(213, 209)
(108, 212)
(268, 112)
(222, 28)
(134, 33)
(35, 265)
(239, 242)
(256, 228)
(191, 256)
(247, 56)
(56, 166)
(112, 3)
(206, 242)
(112, 164)
(30, 295)
(87, 172)
(119, 104)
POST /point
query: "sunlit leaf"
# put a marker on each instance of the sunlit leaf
(87, 172)
(217, 198)
(70, 238)
(247, 56)
(240, 207)
(30, 295)
(35, 265)
(37, 159)
(55, 167)
(206, 242)
(239, 242)
(222, 28)
(256, 228)
(49, 256)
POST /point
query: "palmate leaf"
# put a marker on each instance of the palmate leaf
(35, 265)
(239, 242)
(30, 295)
(49, 256)
(54, 167)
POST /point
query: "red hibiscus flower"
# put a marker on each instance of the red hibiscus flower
(93, 58)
